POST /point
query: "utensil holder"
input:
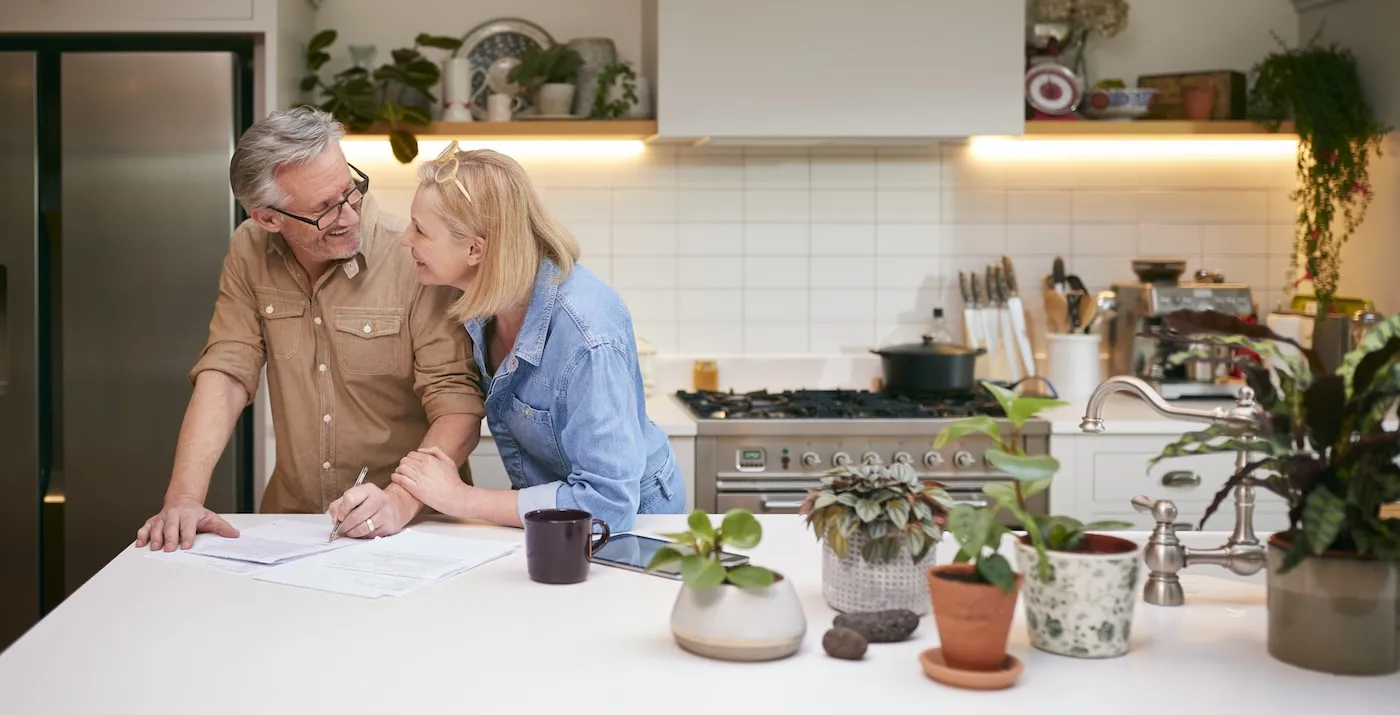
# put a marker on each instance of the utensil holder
(1075, 367)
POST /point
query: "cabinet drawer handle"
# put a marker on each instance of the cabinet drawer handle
(1181, 478)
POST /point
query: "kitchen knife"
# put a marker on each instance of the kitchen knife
(1018, 315)
(989, 324)
(1008, 338)
(970, 314)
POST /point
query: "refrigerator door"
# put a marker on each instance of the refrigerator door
(147, 215)
(19, 407)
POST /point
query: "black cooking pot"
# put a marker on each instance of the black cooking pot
(929, 367)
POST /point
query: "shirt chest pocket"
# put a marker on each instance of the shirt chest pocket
(533, 429)
(367, 340)
(282, 317)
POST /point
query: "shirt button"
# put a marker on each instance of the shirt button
(321, 367)
(512, 363)
(327, 418)
(268, 309)
(317, 320)
(325, 465)
(367, 328)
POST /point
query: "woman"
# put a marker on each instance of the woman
(556, 350)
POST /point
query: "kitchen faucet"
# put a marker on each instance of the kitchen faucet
(1164, 554)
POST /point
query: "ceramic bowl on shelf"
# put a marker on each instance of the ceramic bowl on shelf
(1119, 104)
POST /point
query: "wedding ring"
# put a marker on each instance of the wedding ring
(371, 524)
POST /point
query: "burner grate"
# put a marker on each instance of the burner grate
(838, 404)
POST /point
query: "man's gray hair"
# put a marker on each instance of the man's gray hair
(283, 138)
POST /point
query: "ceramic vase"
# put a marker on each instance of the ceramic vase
(973, 618)
(1086, 609)
(850, 584)
(739, 624)
(1337, 613)
(597, 53)
(554, 99)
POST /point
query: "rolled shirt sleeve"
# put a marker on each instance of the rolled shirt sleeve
(235, 344)
(444, 374)
(602, 440)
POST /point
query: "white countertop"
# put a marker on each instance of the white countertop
(144, 635)
(663, 409)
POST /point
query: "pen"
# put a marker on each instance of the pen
(358, 481)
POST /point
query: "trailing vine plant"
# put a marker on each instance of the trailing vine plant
(607, 78)
(1320, 89)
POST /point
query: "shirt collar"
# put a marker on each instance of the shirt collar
(529, 343)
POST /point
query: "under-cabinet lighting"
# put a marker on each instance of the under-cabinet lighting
(989, 147)
(369, 149)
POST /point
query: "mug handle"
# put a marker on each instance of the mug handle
(607, 533)
(517, 103)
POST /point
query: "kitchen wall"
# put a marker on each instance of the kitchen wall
(728, 251)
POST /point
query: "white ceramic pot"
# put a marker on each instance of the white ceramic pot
(850, 584)
(554, 99)
(1086, 611)
(739, 624)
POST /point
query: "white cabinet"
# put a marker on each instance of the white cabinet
(820, 69)
(489, 472)
(1099, 476)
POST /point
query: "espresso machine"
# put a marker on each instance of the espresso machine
(1140, 307)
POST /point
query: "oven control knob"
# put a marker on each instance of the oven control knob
(841, 459)
(964, 459)
(903, 458)
(869, 458)
(932, 459)
(810, 459)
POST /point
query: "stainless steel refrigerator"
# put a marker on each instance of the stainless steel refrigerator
(115, 216)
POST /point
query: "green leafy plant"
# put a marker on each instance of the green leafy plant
(890, 506)
(396, 94)
(559, 64)
(698, 550)
(607, 78)
(979, 534)
(1320, 437)
(1320, 88)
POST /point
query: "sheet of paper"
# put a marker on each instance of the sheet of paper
(185, 558)
(388, 566)
(271, 543)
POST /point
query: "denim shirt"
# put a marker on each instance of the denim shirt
(567, 410)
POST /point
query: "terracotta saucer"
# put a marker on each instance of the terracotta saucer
(936, 668)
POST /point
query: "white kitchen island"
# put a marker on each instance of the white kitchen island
(149, 636)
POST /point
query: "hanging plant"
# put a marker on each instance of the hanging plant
(1319, 88)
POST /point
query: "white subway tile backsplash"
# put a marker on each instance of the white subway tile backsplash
(727, 251)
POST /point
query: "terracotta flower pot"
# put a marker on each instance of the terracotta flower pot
(1198, 102)
(1086, 611)
(973, 618)
(1337, 613)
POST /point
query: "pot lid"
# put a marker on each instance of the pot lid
(927, 347)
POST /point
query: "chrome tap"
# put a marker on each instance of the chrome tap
(1164, 554)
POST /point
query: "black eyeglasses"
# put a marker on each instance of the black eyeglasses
(354, 196)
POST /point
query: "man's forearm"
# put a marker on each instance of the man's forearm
(213, 411)
(457, 436)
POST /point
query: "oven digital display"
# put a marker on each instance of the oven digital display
(751, 455)
(750, 459)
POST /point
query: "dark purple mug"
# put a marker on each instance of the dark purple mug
(559, 544)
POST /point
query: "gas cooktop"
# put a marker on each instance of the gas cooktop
(837, 405)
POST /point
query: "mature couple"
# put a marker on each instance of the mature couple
(386, 345)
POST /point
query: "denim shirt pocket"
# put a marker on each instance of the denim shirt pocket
(655, 483)
(533, 429)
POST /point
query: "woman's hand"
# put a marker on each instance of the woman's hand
(432, 478)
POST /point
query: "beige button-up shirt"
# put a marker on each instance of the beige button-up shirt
(359, 362)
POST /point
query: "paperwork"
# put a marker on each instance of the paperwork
(207, 562)
(271, 543)
(387, 566)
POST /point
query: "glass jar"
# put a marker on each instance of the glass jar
(705, 376)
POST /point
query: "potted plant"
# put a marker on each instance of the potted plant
(397, 94)
(1327, 443)
(616, 93)
(879, 526)
(551, 74)
(741, 613)
(1320, 89)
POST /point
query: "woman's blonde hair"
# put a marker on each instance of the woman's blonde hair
(485, 193)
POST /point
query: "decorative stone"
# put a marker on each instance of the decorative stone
(844, 643)
(889, 626)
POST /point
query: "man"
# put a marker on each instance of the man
(363, 363)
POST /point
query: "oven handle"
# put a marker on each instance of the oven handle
(771, 504)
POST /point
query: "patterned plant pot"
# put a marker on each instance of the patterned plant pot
(1086, 610)
(851, 585)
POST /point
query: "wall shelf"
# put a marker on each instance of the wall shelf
(542, 130)
(1154, 127)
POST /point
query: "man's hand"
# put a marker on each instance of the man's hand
(431, 477)
(367, 511)
(176, 524)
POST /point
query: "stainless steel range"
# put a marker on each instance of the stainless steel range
(763, 450)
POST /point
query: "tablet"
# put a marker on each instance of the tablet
(633, 552)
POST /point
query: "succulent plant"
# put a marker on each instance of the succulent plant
(890, 506)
